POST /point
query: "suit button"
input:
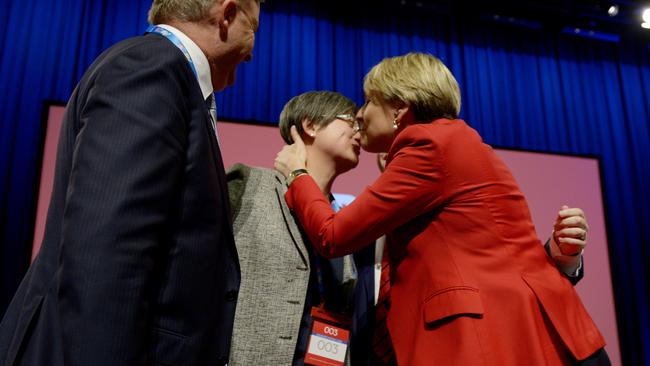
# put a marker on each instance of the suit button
(231, 295)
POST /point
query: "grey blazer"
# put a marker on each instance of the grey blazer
(274, 269)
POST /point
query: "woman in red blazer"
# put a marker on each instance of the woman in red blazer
(470, 282)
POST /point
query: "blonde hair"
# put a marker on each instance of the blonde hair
(418, 79)
(163, 11)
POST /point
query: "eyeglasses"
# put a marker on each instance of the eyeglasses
(355, 124)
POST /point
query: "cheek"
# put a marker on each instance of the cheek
(372, 130)
(373, 122)
(345, 144)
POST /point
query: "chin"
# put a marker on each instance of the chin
(371, 149)
(354, 163)
(366, 146)
(218, 86)
(377, 147)
(347, 165)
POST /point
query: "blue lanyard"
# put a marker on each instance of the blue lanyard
(335, 206)
(177, 42)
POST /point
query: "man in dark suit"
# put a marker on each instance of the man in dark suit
(138, 265)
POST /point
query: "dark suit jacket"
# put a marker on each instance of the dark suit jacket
(138, 264)
(470, 282)
(363, 315)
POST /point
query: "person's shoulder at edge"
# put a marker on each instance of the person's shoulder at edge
(145, 52)
(152, 43)
(437, 131)
(414, 136)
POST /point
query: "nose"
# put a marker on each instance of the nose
(248, 57)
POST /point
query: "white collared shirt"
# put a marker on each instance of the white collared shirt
(201, 64)
(379, 254)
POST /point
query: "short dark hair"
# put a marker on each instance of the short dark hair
(318, 107)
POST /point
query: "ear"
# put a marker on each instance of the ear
(229, 11)
(309, 128)
(401, 113)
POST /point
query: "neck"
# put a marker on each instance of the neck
(188, 28)
(201, 33)
(322, 169)
(196, 31)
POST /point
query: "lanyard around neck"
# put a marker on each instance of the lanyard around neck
(177, 42)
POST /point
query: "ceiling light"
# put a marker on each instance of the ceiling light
(645, 25)
(646, 15)
(613, 10)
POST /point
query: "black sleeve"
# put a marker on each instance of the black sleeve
(581, 271)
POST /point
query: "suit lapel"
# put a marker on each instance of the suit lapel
(290, 220)
(219, 169)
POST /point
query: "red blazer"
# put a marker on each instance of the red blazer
(470, 281)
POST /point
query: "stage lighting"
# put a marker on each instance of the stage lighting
(646, 19)
(594, 34)
(613, 10)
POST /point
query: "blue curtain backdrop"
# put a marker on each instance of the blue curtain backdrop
(522, 88)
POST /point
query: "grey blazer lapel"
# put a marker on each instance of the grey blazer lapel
(238, 176)
(290, 220)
